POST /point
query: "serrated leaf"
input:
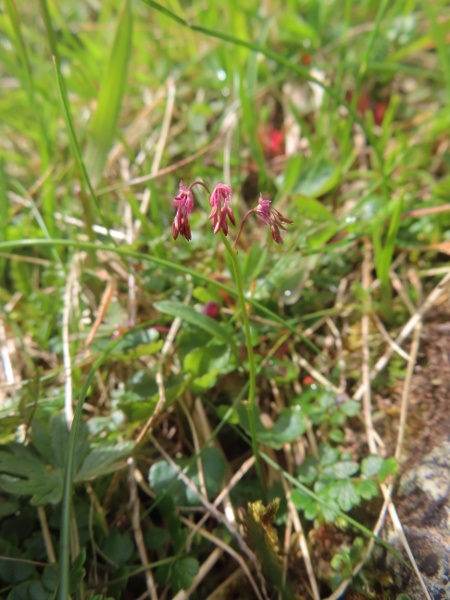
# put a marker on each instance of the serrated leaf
(117, 547)
(307, 472)
(328, 455)
(341, 469)
(155, 538)
(299, 499)
(330, 510)
(367, 489)
(183, 573)
(14, 571)
(162, 476)
(347, 495)
(191, 316)
(371, 465)
(311, 510)
(24, 474)
(104, 459)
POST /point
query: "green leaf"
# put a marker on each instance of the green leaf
(110, 97)
(183, 573)
(77, 571)
(14, 571)
(191, 316)
(389, 467)
(371, 465)
(209, 358)
(351, 408)
(289, 425)
(330, 510)
(336, 435)
(104, 459)
(311, 509)
(383, 263)
(163, 478)
(117, 547)
(317, 178)
(155, 538)
(341, 469)
(347, 495)
(313, 209)
(295, 29)
(24, 474)
(254, 262)
(328, 455)
(367, 489)
(307, 472)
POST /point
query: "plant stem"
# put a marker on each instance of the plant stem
(251, 358)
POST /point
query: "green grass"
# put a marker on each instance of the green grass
(336, 112)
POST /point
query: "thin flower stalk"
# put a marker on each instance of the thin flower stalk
(251, 358)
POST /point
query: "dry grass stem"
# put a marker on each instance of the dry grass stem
(136, 523)
(302, 542)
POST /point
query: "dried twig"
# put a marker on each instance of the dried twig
(407, 329)
(139, 538)
(302, 541)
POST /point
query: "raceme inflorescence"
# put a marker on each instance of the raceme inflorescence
(221, 211)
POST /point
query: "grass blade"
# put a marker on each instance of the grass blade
(87, 208)
(21, 49)
(110, 97)
(188, 314)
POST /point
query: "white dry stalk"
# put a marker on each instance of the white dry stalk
(302, 542)
(68, 407)
(406, 388)
(317, 375)
(261, 595)
(388, 339)
(365, 332)
(340, 358)
(203, 571)
(399, 288)
(197, 449)
(171, 91)
(387, 489)
(165, 351)
(407, 329)
(5, 356)
(138, 537)
(211, 509)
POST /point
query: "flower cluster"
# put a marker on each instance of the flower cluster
(272, 217)
(185, 205)
(221, 212)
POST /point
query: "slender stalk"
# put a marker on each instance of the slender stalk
(251, 358)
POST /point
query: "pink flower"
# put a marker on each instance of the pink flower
(219, 212)
(185, 205)
(272, 217)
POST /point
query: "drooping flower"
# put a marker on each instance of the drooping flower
(269, 216)
(273, 218)
(220, 212)
(185, 205)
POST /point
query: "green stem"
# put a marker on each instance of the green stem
(251, 357)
